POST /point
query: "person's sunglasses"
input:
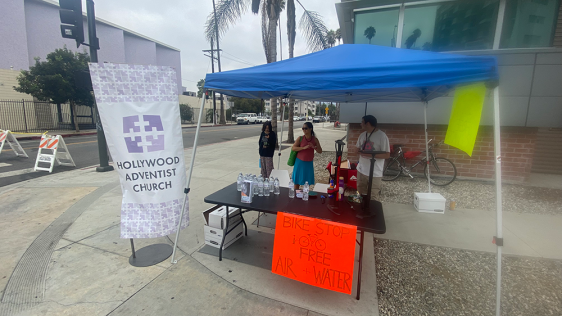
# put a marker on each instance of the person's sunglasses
(304, 128)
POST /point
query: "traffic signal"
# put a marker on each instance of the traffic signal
(71, 18)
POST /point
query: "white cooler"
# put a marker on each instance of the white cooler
(429, 203)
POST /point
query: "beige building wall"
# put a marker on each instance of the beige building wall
(195, 103)
(7, 82)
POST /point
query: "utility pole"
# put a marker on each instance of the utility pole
(94, 46)
(222, 120)
(212, 51)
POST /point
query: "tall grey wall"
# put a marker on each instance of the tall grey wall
(31, 28)
(112, 44)
(139, 51)
(13, 50)
(169, 57)
(530, 95)
(43, 30)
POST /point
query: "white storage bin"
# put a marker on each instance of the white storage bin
(213, 236)
(216, 216)
(429, 203)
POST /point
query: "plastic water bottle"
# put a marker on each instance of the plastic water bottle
(260, 186)
(305, 190)
(239, 182)
(291, 189)
(266, 187)
(271, 187)
(255, 184)
(276, 189)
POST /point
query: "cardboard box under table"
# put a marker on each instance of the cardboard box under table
(215, 226)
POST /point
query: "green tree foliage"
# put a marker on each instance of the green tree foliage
(209, 116)
(243, 105)
(186, 112)
(200, 85)
(54, 79)
(338, 35)
(331, 38)
(370, 33)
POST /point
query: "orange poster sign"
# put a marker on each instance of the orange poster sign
(314, 251)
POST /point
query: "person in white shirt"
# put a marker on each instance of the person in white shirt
(372, 139)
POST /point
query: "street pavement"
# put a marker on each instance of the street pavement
(61, 253)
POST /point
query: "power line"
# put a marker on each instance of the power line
(242, 60)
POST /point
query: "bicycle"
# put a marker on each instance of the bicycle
(442, 171)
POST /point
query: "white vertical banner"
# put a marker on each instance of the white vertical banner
(139, 110)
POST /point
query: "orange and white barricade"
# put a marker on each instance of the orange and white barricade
(7, 136)
(52, 150)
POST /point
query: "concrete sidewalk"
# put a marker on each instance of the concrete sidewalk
(61, 253)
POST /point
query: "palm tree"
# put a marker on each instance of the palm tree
(338, 35)
(331, 37)
(411, 40)
(229, 11)
(370, 33)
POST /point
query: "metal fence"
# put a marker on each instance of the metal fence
(39, 116)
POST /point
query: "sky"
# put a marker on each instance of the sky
(181, 24)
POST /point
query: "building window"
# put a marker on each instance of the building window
(536, 19)
(377, 27)
(529, 23)
(450, 26)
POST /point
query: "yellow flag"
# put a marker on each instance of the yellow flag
(465, 117)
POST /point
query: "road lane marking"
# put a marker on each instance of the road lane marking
(3, 164)
(15, 172)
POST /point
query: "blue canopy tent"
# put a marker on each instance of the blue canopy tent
(363, 73)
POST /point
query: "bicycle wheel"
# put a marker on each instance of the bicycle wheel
(443, 171)
(391, 169)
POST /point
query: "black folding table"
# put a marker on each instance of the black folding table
(314, 208)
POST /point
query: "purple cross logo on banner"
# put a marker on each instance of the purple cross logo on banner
(143, 134)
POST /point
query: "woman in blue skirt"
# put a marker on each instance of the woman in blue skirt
(305, 146)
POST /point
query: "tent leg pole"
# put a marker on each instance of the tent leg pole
(281, 136)
(189, 175)
(499, 233)
(426, 146)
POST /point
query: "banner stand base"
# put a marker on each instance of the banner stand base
(150, 255)
(104, 169)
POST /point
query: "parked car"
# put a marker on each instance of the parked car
(295, 118)
(302, 118)
(246, 118)
(318, 119)
(261, 119)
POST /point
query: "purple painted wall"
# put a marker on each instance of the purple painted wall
(31, 28)
(139, 51)
(43, 30)
(169, 57)
(13, 51)
(112, 45)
